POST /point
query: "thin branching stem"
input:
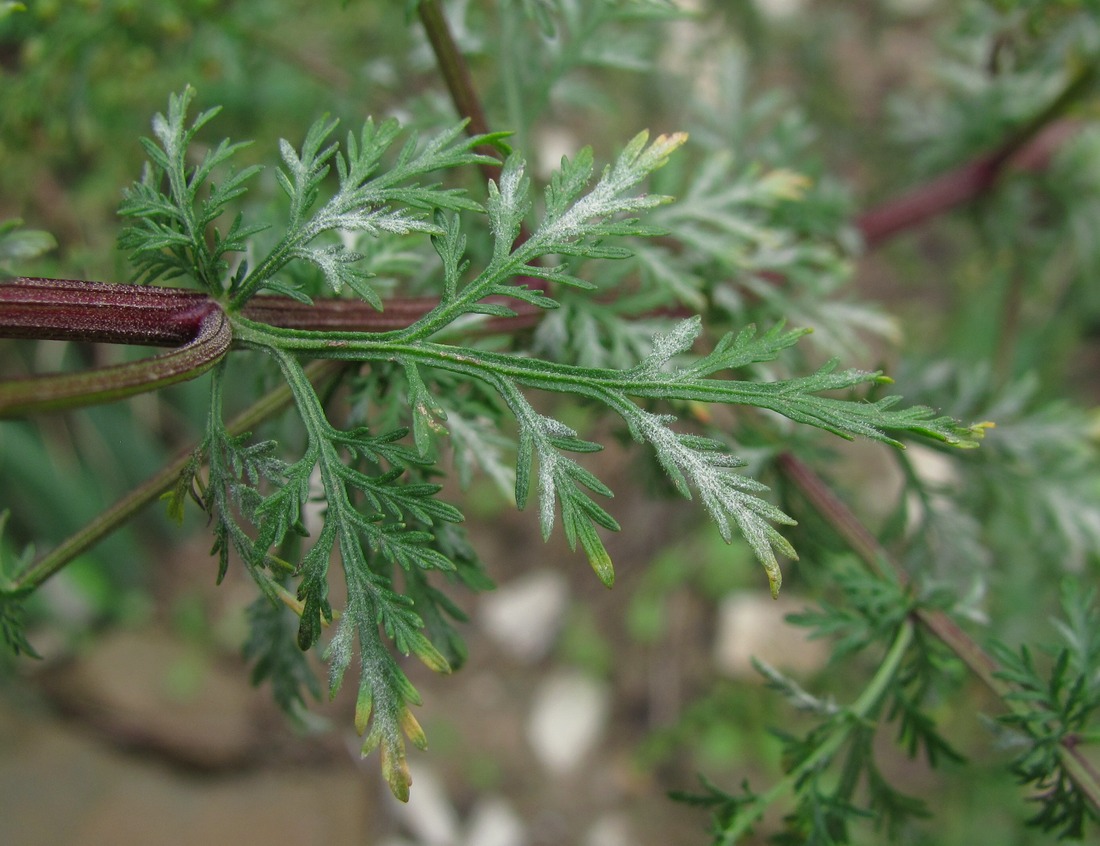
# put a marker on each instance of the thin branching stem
(455, 71)
(460, 84)
(860, 710)
(878, 561)
(1029, 147)
(155, 486)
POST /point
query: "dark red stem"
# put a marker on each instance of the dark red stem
(74, 310)
(1028, 148)
(64, 309)
(959, 186)
(460, 85)
(192, 322)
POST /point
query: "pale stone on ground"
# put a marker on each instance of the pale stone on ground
(524, 616)
(611, 829)
(429, 815)
(778, 10)
(494, 822)
(751, 624)
(567, 720)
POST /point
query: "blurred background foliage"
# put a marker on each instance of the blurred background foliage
(802, 115)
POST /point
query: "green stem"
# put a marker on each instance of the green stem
(860, 711)
(863, 543)
(279, 257)
(130, 504)
(794, 400)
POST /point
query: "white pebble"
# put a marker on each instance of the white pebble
(780, 10)
(611, 829)
(429, 816)
(494, 822)
(524, 616)
(751, 625)
(567, 719)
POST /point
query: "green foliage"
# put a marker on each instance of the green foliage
(832, 770)
(174, 241)
(1058, 709)
(1005, 64)
(12, 626)
(384, 521)
(18, 244)
(172, 237)
(273, 650)
(648, 310)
